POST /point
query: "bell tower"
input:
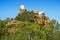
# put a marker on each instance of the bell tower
(22, 9)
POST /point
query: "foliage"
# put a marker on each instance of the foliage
(28, 30)
(26, 16)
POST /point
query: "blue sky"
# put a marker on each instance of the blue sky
(10, 8)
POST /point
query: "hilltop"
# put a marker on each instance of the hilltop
(29, 25)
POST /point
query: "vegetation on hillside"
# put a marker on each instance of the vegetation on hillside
(29, 28)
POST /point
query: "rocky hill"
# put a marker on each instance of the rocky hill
(29, 25)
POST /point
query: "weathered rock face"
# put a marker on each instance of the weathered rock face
(41, 15)
(47, 21)
(13, 22)
(12, 26)
(42, 19)
(35, 12)
(11, 30)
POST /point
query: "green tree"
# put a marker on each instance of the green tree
(25, 16)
